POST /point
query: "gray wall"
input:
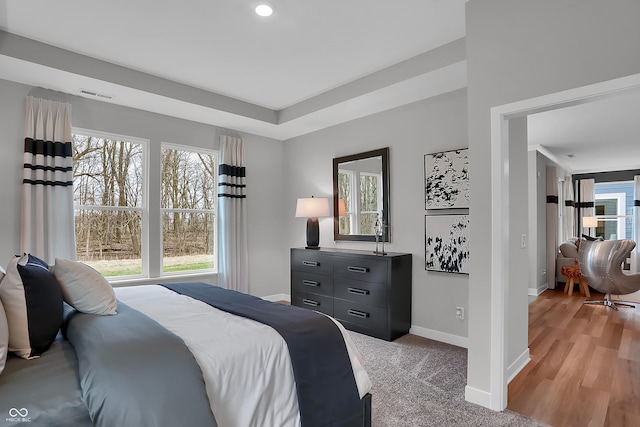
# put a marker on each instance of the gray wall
(410, 132)
(519, 49)
(537, 223)
(517, 301)
(264, 174)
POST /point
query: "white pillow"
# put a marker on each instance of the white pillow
(4, 336)
(84, 288)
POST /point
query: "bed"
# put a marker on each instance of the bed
(190, 354)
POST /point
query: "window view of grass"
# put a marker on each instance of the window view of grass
(110, 211)
(130, 267)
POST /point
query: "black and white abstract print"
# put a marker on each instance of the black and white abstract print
(447, 179)
(447, 243)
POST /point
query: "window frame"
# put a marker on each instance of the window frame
(214, 211)
(144, 208)
(620, 220)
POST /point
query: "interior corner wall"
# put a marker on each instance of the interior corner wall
(264, 173)
(410, 132)
(543, 278)
(519, 49)
(541, 164)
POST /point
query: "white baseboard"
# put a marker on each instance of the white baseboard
(479, 397)
(518, 365)
(440, 336)
(278, 297)
(533, 292)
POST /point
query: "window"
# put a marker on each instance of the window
(109, 202)
(614, 205)
(112, 214)
(360, 215)
(188, 204)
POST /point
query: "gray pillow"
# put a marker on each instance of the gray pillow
(569, 250)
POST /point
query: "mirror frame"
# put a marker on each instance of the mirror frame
(384, 153)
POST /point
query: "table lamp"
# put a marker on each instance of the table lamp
(312, 208)
(589, 222)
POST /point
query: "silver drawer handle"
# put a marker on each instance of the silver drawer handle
(357, 313)
(310, 283)
(357, 269)
(358, 291)
(311, 263)
(310, 302)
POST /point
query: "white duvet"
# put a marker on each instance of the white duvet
(245, 364)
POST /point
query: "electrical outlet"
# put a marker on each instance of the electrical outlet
(523, 241)
(459, 312)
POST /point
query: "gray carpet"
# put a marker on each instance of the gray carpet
(420, 382)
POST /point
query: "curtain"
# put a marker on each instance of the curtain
(569, 210)
(552, 225)
(233, 265)
(635, 255)
(586, 205)
(47, 229)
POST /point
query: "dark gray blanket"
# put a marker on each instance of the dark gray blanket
(325, 384)
(134, 372)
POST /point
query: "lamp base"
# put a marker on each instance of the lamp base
(313, 233)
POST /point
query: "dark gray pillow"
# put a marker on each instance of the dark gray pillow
(32, 300)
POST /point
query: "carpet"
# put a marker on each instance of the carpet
(420, 382)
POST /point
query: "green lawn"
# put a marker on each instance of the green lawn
(131, 267)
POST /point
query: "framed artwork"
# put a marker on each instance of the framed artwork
(446, 177)
(446, 243)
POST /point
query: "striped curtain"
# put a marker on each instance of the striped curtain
(47, 229)
(552, 225)
(233, 264)
(586, 205)
(569, 210)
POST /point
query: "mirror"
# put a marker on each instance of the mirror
(360, 195)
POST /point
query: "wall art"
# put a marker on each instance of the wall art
(446, 240)
(446, 176)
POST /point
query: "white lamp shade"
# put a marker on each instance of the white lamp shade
(312, 207)
(589, 221)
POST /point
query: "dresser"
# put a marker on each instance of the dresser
(367, 293)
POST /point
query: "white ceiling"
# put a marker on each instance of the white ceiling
(312, 64)
(307, 48)
(599, 136)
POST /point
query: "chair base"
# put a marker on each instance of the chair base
(607, 302)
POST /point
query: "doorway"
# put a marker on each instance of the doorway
(500, 117)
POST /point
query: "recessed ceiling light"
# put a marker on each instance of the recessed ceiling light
(264, 10)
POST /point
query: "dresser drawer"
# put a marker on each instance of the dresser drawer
(316, 302)
(310, 282)
(368, 293)
(311, 261)
(374, 318)
(365, 269)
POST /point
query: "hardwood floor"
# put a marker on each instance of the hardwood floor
(585, 364)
